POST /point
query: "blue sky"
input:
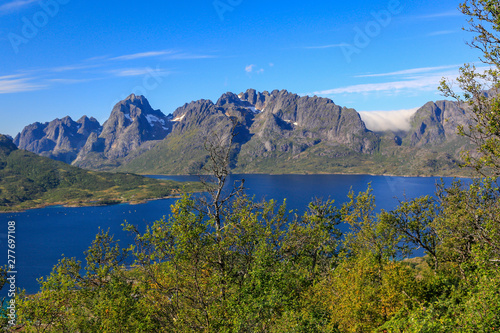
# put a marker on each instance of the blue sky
(74, 57)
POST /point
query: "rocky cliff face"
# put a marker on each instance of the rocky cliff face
(270, 126)
(306, 118)
(435, 123)
(132, 123)
(182, 151)
(60, 139)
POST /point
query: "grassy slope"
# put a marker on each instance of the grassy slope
(182, 154)
(29, 181)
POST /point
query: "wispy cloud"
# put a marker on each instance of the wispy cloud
(143, 55)
(17, 83)
(408, 80)
(74, 67)
(441, 32)
(163, 55)
(330, 46)
(411, 71)
(424, 83)
(449, 13)
(12, 6)
(70, 81)
(95, 68)
(139, 71)
(188, 56)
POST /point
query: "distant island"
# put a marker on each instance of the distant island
(278, 132)
(31, 181)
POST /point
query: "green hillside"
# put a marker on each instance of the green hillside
(29, 181)
(184, 155)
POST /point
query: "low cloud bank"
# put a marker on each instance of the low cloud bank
(379, 121)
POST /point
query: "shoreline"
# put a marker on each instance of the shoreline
(320, 173)
(88, 204)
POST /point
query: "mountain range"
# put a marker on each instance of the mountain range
(276, 132)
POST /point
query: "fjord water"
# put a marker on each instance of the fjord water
(43, 236)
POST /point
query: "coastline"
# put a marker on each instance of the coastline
(321, 173)
(89, 204)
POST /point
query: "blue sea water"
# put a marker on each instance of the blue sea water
(44, 236)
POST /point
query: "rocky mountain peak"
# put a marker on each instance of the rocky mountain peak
(133, 98)
(132, 123)
(60, 139)
(229, 98)
(133, 106)
(195, 108)
(436, 122)
(257, 99)
(88, 126)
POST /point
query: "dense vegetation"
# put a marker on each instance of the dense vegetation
(28, 181)
(225, 263)
(261, 268)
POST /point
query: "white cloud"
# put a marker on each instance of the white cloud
(70, 81)
(189, 56)
(165, 54)
(449, 13)
(319, 47)
(249, 68)
(140, 71)
(378, 121)
(90, 69)
(408, 80)
(73, 68)
(15, 5)
(252, 69)
(17, 83)
(421, 83)
(411, 71)
(142, 55)
(441, 32)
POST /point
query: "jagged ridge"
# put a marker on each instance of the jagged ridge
(277, 132)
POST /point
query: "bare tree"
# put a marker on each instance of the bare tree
(215, 175)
